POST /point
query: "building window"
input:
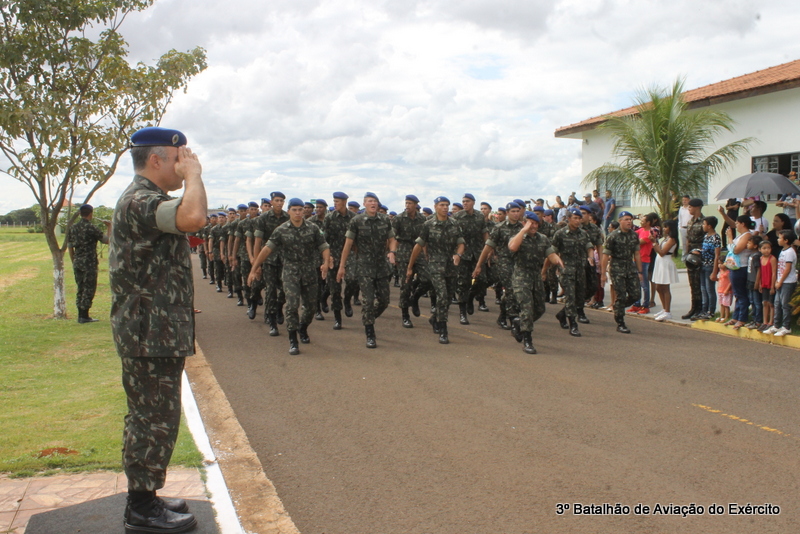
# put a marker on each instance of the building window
(777, 163)
(623, 197)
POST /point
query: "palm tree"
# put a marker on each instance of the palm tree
(663, 148)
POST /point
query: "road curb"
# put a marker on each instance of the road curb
(255, 498)
(744, 333)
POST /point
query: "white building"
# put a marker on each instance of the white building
(765, 105)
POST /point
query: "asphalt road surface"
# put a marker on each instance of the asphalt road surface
(479, 437)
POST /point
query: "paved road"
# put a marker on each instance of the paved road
(478, 437)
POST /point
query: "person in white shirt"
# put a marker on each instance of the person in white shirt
(683, 220)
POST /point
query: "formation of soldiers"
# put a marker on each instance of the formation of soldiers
(292, 256)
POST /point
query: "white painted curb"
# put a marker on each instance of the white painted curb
(215, 483)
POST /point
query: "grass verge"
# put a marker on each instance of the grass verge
(61, 391)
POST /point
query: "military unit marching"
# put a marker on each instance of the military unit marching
(291, 257)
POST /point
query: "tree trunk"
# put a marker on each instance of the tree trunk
(59, 295)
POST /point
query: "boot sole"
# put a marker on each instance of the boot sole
(133, 529)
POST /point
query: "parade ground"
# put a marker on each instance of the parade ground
(668, 429)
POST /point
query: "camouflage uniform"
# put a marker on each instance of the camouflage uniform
(83, 237)
(694, 239)
(235, 272)
(551, 284)
(406, 231)
(322, 287)
(201, 249)
(271, 271)
(622, 246)
(300, 248)
(527, 278)
(573, 248)
(441, 239)
(504, 263)
(369, 235)
(241, 254)
(215, 237)
(474, 229)
(334, 228)
(152, 320)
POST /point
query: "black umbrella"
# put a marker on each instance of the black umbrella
(758, 183)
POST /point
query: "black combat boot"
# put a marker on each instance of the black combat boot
(324, 304)
(155, 515)
(318, 316)
(348, 310)
(515, 329)
(230, 292)
(251, 311)
(337, 319)
(303, 331)
(273, 325)
(219, 287)
(240, 302)
(406, 319)
(279, 316)
(562, 318)
(205, 274)
(434, 324)
(443, 339)
(573, 327)
(370, 331)
(415, 302)
(527, 343)
(582, 316)
(470, 303)
(621, 328)
(462, 312)
(294, 348)
(554, 297)
(83, 317)
(482, 305)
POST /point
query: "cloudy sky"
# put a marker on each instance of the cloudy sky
(427, 96)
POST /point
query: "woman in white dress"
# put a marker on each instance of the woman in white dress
(664, 271)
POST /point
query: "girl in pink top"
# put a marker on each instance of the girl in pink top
(724, 293)
(765, 283)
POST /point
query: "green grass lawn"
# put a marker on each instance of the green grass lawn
(60, 383)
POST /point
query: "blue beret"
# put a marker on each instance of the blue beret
(486, 204)
(222, 214)
(427, 211)
(265, 201)
(213, 215)
(277, 194)
(241, 207)
(341, 196)
(392, 213)
(253, 204)
(520, 202)
(157, 136)
(296, 202)
(354, 204)
(441, 199)
(459, 204)
(513, 206)
(585, 208)
(538, 208)
(575, 211)
(321, 202)
(384, 207)
(370, 194)
(469, 196)
(311, 204)
(548, 212)
(361, 210)
(331, 209)
(501, 208)
(624, 214)
(412, 198)
(231, 210)
(531, 215)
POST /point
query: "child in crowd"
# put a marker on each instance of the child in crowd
(765, 282)
(784, 285)
(724, 292)
(753, 268)
(708, 277)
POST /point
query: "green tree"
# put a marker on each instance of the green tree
(69, 101)
(663, 149)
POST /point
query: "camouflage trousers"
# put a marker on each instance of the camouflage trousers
(406, 284)
(465, 288)
(508, 301)
(574, 283)
(628, 290)
(551, 284)
(271, 282)
(203, 260)
(531, 299)
(219, 272)
(300, 291)
(375, 297)
(236, 277)
(334, 287)
(245, 267)
(445, 288)
(153, 388)
(86, 280)
(695, 274)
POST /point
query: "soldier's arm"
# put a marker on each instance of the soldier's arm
(415, 252)
(459, 252)
(236, 244)
(348, 244)
(487, 250)
(249, 246)
(255, 271)
(392, 244)
(603, 266)
(326, 258)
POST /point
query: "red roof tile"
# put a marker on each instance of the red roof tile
(778, 78)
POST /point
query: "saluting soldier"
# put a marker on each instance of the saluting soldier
(407, 227)
(622, 248)
(443, 239)
(371, 233)
(334, 227)
(301, 244)
(271, 279)
(572, 244)
(83, 237)
(475, 232)
(497, 246)
(531, 249)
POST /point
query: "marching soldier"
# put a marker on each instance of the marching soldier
(271, 279)
(334, 228)
(407, 227)
(622, 247)
(475, 232)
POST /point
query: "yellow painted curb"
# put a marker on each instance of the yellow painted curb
(744, 333)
